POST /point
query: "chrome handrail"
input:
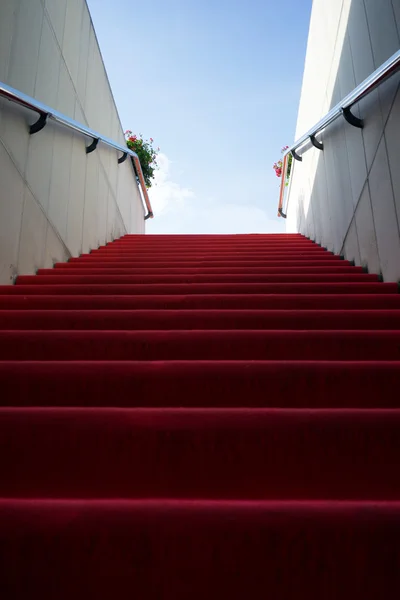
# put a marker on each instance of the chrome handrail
(386, 70)
(45, 113)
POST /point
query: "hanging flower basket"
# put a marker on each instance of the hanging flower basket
(146, 152)
(278, 166)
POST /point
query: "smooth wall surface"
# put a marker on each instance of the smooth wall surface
(347, 197)
(55, 200)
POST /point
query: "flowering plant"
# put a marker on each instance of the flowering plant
(146, 153)
(278, 166)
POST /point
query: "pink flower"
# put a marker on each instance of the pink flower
(151, 139)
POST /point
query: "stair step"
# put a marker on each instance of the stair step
(253, 454)
(66, 278)
(216, 246)
(212, 248)
(305, 384)
(200, 345)
(315, 260)
(163, 319)
(78, 268)
(210, 253)
(193, 275)
(245, 549)
(212, 256)
(201, 301)
(36, 285)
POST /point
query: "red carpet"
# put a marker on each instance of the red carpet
(192, 417)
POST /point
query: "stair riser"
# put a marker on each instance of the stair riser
(200, 319)
(242, 550)
(200, 288)
(92, 261)
(274, 260)
(249, 455)
(66, 278)
(203, 384)
(222, 301)
(186, 256)
(116, 269)
(208, 247)
(195, 345)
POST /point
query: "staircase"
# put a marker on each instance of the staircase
(200, 417)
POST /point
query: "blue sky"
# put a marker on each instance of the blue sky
(216, 83)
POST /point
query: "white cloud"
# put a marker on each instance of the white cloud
(165, 195)
(178, 210)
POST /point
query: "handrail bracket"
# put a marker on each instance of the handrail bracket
(92, 146)
(39, 124)
(296, 156)
(316, 143)
(351, 118)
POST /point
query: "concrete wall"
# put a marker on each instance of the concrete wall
(347, 197)
(56, 201)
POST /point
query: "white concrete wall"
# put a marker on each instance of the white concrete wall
(347, 197)
(56, 201)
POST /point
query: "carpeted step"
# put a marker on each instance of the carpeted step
(116, 269)
(201, 266)
(315, 259)
(196, 301)
(209, 252)
(200, 345)
(252, 454)
(67, 278)
(264, 240)
(261, 239)
(36, 285)
(216, 246)
(228, 257)
(164, 319)
(207, 384)
(344, 275)
(183, 549)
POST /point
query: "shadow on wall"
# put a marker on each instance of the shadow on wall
(347, 197)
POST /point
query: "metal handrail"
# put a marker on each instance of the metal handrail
(45, 113)
(343, 108)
